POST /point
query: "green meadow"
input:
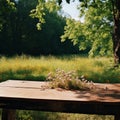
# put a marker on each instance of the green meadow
(37, 68)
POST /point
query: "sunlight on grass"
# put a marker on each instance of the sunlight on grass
(27, 67)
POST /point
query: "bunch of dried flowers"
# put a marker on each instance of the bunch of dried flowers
(69, 80)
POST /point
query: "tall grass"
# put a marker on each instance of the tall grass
(37, 68)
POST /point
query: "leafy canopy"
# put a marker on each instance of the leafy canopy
(95, 32)
(40, 11)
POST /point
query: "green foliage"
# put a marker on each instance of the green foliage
(74, 31)
(95, 32)
(20, 36)
(98, 25)
(40, 11)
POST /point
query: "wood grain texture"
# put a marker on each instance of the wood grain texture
(35, 96)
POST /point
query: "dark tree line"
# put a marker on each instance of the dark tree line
(20, 35)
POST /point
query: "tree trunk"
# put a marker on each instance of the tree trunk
(116, 33)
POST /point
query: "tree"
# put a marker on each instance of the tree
(94, 33)
(106, 15)
(111, 9)
(116, 31)
(51, 26)
(20, 36)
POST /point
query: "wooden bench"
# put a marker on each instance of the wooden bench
(30, 95)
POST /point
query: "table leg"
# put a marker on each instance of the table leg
(117, 117)
(8, 114)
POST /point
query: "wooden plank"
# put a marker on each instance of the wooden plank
(36, 96)
(102, 108)
(22, 84)
(37, 90)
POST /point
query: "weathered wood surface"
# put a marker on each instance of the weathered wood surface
(15, 94)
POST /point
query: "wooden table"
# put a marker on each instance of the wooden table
(30, 95)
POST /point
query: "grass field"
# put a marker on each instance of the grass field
(37, 68)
